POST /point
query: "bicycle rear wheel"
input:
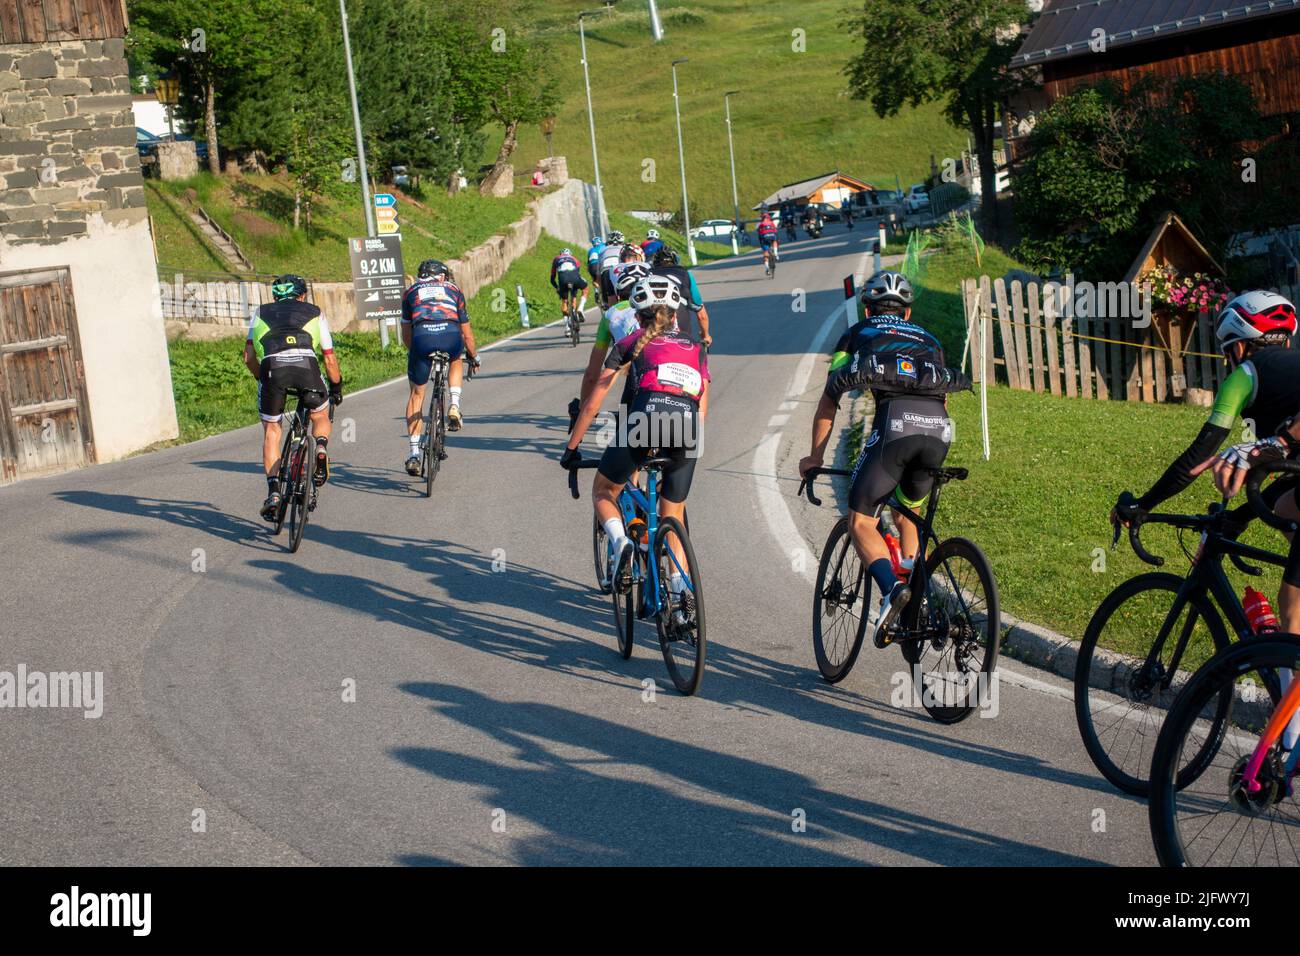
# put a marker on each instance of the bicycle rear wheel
(840, 601)
(1213, 820)
(304, 466)
(433, 439)
(626, 605)
(960, 618)
(1120, 702)
(680, 620)
(574, 331)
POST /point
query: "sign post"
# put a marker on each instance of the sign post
(378, 280)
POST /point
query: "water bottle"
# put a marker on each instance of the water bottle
(1259, 612)
(902, 568)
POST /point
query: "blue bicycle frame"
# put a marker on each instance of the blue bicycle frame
(634, 500)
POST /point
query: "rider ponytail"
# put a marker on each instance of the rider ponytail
(660, 322)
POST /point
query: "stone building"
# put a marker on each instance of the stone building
(84, 375)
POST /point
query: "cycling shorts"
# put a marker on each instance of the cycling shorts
(439, 338)
(909, 436)
(765, 241)
(569, 283)
(280, 376)
(672, 423)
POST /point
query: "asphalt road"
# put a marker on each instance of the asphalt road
(493, 721)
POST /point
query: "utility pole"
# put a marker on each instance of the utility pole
(656, 27)
(591, 120)
(356, 124)
(735, 195)
(681, 158)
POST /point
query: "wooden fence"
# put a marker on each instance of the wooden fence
(1031, 334)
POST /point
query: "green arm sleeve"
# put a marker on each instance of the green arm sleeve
(603, 339)
(1237, 392)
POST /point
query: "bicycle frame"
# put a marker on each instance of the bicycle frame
(633, 500)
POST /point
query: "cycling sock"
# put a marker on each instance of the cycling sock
(415, 445)
(882, 570)
(322, 443)
(272, 483)
(455, 395)
(1292, 732)
(615, 531)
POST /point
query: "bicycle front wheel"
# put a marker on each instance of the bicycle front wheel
(299, 492)
(1120, 699)
(600, 552)
(680, 620)
(840, 601)
(1215, 820)
(625, 608)
(955, 662)
(433, 441)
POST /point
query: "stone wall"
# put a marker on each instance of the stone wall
(67, 140)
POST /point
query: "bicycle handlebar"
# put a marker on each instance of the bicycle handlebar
(806, 485)
(1255, 478)
(574, 468)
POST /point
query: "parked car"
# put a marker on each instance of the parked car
(830, 212)
(714, 229)
(401, 178)
(918, 198)
(145, 142)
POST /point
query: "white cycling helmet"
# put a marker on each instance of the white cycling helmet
(615, 238)
(628, 275)
(652, 234)
(887, 286)
(654, 291)
(566, 252)
(1255, 315)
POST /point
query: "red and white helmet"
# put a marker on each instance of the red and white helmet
(1254, 315)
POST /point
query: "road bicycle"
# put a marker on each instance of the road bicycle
(770, 260)
(663, 550)
(573, 325)
(295, 480)
(1239, 807)
(433, 434)
(950, 630)
(1157, 628)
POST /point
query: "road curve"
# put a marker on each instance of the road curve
(493, 721)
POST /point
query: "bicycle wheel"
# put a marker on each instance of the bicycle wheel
(626, 605)
(433, 440)
(959, 615)
(574, 331)
(282, 480)
(1213, 820)
(600, 552)
(1119, 702)
(841, 598)
(299, 491)
(680, 620)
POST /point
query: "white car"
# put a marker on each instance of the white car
(918, 198)
(714, 229)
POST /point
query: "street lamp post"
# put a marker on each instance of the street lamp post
(591, 120)
(356, 124)
(656, 27)
(735, 195)
(681, 159)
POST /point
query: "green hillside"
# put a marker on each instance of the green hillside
(793, 118)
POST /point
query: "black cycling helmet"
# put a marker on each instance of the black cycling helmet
(431, 268)
(629, 275)
(288, 286)
(666, 256)
(887, 287)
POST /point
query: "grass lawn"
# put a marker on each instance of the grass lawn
(792, 120)
(179, 246)
(258, 212)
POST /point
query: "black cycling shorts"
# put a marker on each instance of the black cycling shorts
(666, 424)
(280, 376)
(909, 436)
(570, 283)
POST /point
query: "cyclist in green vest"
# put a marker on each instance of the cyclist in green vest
(284, 338)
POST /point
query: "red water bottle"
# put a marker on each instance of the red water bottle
(896, 558)
(1259, 612)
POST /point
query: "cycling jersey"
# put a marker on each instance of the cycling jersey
(563, 265)
(435, 310)
(670, 364)
(1264, 390)
(766, 228)
(593, 260)
(616, 323)
(609, 257)
(650, 247)
(893, 358)
(687, 321)
(289, 329)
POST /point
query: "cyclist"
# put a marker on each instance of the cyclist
(567, 280)
(280, 351)
(671, 377)
(652, 244)
(903, 366)
(593, 257)
(788, 217)
(692, 317)
(609, 277)
(846, 209)
(1254, 331)
(617, 323)
(767, 240)
(434, 319)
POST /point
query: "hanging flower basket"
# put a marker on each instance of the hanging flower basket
(1185, 294)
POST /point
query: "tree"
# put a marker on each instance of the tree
(950, 51)
(497, 76)
(210, 43)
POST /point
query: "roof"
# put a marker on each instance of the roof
(1064, 29)
(806, 187)
(1167, 222)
